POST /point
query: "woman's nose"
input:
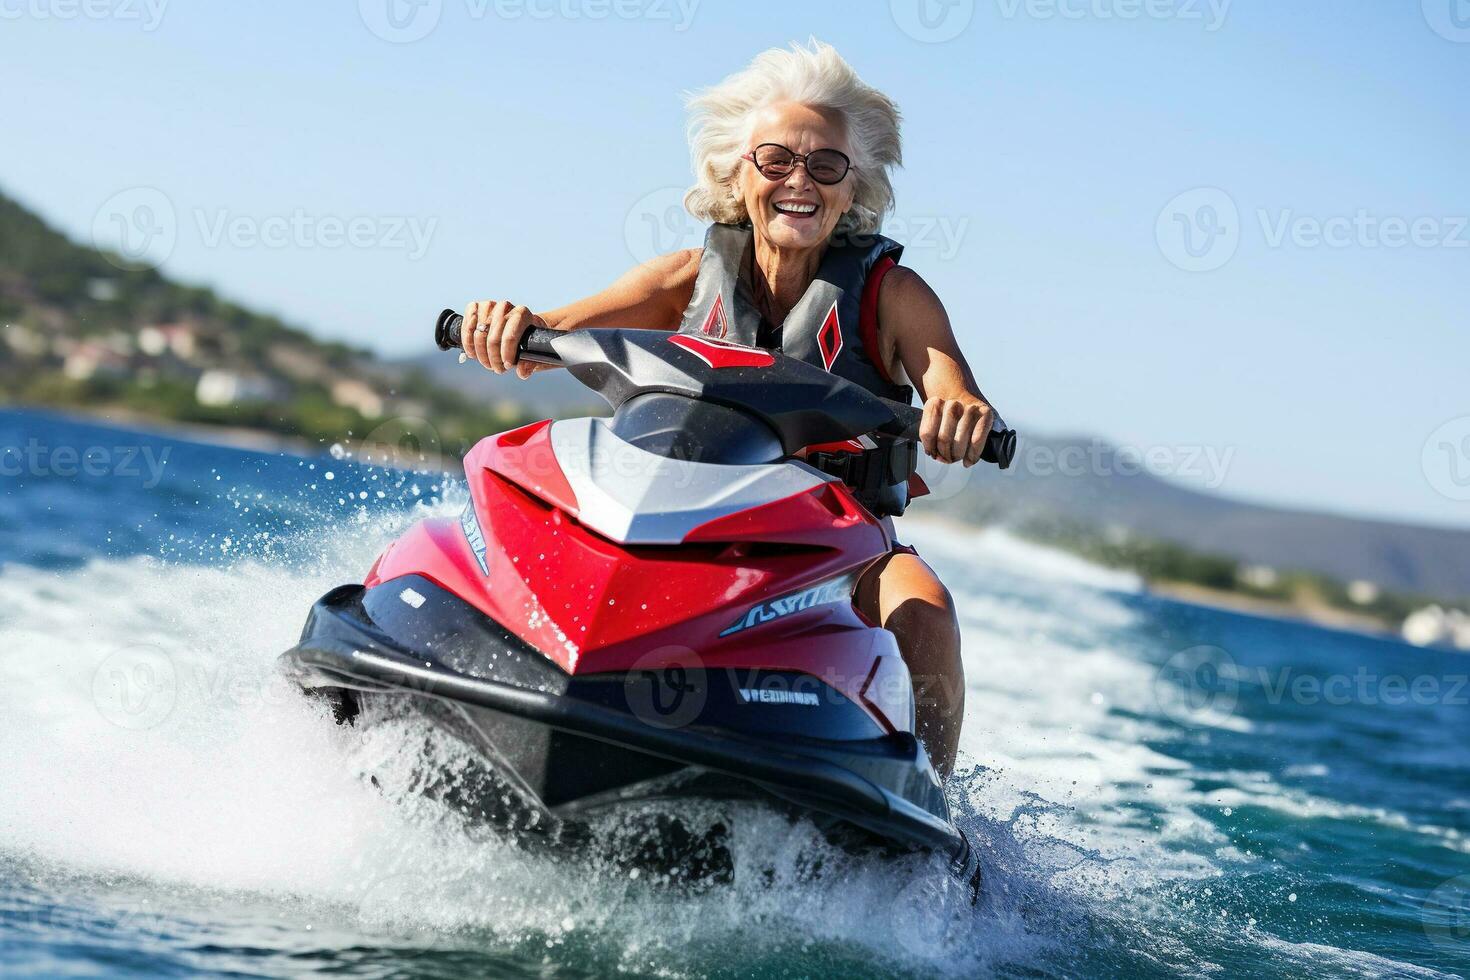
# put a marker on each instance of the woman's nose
(799, 179)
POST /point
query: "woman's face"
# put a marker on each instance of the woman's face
(781, 210)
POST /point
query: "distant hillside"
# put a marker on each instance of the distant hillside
(1401, 557)
(545, 393)
(81, 328)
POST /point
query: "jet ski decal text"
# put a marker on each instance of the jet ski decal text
(833, 590)
(470, 524)
(762, 695)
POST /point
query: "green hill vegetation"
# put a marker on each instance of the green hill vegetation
(82, 329)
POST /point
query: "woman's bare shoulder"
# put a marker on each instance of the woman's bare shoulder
(670, 275)
(652, 293)
(908, 310)
(677, 270)
(904, 296)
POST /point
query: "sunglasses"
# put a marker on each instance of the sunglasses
(775, 162)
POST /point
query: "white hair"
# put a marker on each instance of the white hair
(815, 76)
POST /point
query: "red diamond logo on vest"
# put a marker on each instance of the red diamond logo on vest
(714, 324)
(829, 337)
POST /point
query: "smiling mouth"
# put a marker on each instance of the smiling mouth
(795, 209)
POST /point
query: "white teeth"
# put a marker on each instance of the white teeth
(794, 207)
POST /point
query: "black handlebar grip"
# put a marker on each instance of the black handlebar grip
(1000, 445)
(446, 330)
(535, 345)
(537, 348)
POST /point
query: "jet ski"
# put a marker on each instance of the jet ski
(652, 607)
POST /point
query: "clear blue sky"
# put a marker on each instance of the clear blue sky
(539, 140)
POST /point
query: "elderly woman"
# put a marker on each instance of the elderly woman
(793, 157)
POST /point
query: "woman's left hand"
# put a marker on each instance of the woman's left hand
(954, 429)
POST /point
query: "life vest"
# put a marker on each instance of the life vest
(834, 326)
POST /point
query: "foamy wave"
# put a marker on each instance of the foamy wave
(1089, 820)
(147, 734)
(998, 548)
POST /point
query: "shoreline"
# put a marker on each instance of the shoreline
(1188, 593)
(226, 436)
(1325, 617)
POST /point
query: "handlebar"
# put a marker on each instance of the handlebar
(1000, 445)
(535, 347)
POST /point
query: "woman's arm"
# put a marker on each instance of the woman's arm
(914, 331)
(651, 295)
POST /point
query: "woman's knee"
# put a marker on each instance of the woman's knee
(908, 583)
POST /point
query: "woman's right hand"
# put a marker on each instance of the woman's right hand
(492, 334)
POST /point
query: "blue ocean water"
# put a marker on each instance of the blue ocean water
(1157, 789)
